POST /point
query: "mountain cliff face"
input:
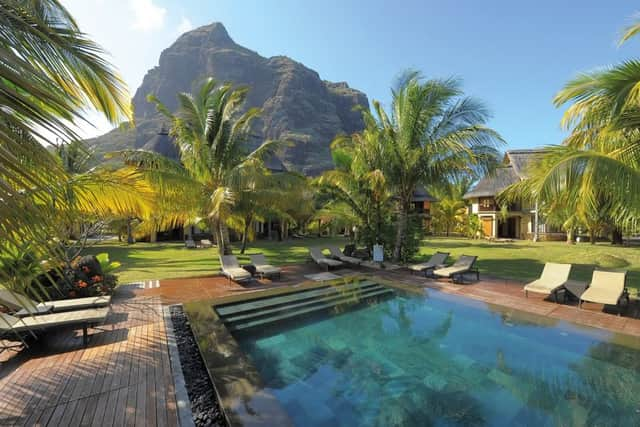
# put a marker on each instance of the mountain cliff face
(297, 105)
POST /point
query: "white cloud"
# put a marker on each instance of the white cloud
(184, 26)
(147, 16)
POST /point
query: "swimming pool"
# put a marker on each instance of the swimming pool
(437, 359)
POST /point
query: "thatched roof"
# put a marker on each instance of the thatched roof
(494, 183)
(163, 144)
(517, 162)
(422, 195)
(521, 160)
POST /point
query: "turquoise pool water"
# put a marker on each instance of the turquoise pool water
(442, 360)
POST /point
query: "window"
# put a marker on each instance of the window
(486, 204)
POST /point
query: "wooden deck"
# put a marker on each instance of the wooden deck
(122, 378)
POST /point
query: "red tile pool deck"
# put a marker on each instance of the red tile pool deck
(124, 376)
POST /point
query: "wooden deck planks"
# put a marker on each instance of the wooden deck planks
(122, 378)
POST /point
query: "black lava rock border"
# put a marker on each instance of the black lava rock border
(204, 402)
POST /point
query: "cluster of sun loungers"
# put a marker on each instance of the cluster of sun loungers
(192, 244)
(337, 258)
(437, 267)
(606, 287)
(29, 316)
(233, 271)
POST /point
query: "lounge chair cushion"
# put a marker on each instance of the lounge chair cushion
(231, 268)
(262, 266)
(26, 306)
(319, 258)
(350, 260)
(450, 271)
(48, 321)
(553, 277)
(462, 265)
(236, 273)
(338, 254)
(67, 304)
(436, 261)
(267, 269)
(605, 288)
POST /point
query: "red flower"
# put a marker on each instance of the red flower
(85, 268)
(97, 278)
(82, 284)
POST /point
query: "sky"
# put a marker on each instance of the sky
(512, 55)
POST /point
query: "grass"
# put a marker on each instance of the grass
(165, 260)
(524, 260)
(520, 260)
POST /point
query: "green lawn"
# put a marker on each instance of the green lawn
(521, 260)
(524, 260)
(142, 261)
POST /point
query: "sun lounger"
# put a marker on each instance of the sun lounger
(339, 255)
(206, 243)
(25, 306)
(231, 268)
(456, 271)
(322, 260)
(11, 326)
(437, 260)
(263, 268)
(552, 280)
(606, 288)
(190, 244)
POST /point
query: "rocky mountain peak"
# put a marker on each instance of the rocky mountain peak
(297, 105)
(212, 35)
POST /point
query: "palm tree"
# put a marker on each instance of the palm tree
(432, 132)
(449, 212)
(214, 167)
(50, 74)
(597, 170)
(357, 186)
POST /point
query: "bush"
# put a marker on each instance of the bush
(86, 278)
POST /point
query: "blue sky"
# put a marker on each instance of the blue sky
(513, 55)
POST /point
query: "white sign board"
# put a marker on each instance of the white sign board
(378, 253)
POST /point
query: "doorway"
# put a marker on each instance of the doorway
(507, 229)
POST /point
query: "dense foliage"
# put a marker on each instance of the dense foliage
(593, 180)
(51, 74)
(432, 134)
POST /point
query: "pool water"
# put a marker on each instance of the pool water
(442, 360)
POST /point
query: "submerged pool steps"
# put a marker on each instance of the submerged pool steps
(273, 301)
(241, 316)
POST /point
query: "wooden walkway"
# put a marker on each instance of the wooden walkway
(123, 377)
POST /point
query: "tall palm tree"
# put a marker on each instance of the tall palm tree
(357, 186)
(432, 132)
(50, 74)
(214, 166)
(597, 170)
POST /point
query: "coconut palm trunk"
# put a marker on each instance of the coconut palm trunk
(401, 230)
(245, 232)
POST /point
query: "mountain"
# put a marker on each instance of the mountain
(297, 104)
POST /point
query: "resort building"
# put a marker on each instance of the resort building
(519, 219)
(422, 202)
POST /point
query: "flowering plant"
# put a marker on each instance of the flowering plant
(89, 276)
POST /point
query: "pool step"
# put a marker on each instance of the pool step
(355, 296)
(287, 299)
(327, 297)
